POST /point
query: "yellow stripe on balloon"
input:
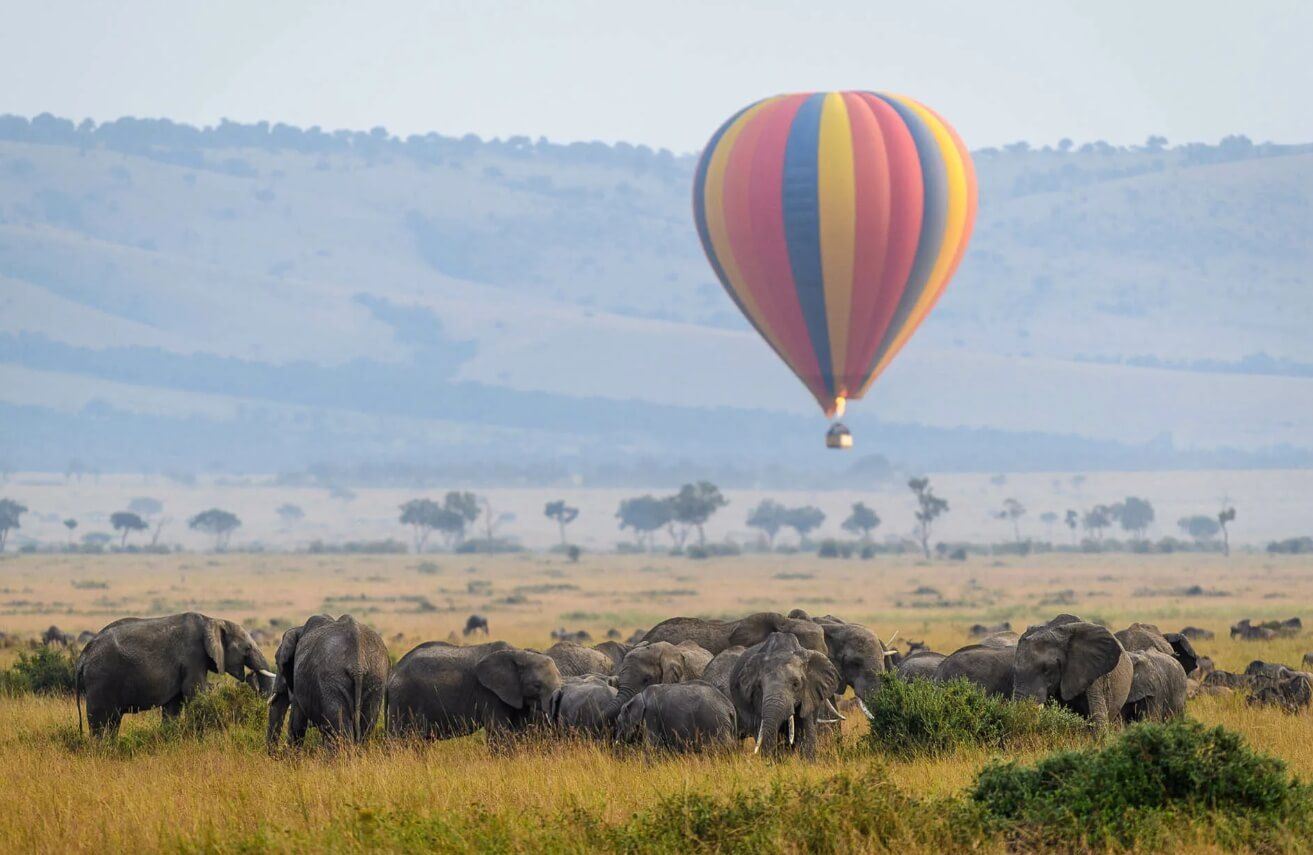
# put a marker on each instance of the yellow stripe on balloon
(954, 226)
(837, 206)
(714, 188)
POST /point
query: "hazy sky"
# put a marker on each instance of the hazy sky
(667, 73)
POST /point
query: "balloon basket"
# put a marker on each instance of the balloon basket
(838, 436)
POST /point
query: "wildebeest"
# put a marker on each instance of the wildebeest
(55, 635)
(475, 623)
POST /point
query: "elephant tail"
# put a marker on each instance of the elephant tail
(77, 694)
(358, 678)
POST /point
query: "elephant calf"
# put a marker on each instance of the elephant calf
(656, 662)
(679, 716)
(579, 706)
(440, 691)
(1158, 687)
(575, 660)
(332, 673)
(136, 664)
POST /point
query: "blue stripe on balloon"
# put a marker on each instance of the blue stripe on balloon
(802, 228)
(934, 218)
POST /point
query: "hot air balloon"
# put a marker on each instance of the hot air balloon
(834, 220)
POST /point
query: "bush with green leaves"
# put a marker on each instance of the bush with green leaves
(920, 717)
(44, 671)
(1143, 787)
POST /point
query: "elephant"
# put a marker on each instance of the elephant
(575, 660)
(987, 666)
(720, 667)
(780, 688)
(981, 630)
(920, 665)
(1079, 664)
(1146, 636)
(615, 651)
(332, 674)
(440, 691)
(136, 664)
(658, 662)
(55, 635)
(475, 623)
(1158, 687)
(579, 705)
(715, 635)
(857, 654)
(678, 716)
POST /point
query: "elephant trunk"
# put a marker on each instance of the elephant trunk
(622, 696)
(773, 713)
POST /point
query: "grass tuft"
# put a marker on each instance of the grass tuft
(44, 671)
(919, 718)
(1152, 779)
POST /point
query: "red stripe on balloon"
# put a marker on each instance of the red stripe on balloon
(765, 241)
(906, 204)
(870, 248)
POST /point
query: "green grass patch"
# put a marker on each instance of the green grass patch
(1142, 788)
(920, 718)
(44, 671)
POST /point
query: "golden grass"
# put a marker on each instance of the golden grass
(218, 791)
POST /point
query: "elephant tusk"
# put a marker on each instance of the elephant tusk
(827, 721)
(790, 730)
(865, 710)
(832, 708)
(890, 642)
(761, 733)
(264, 673)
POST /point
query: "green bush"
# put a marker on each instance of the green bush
(226, 705)
(44, 671)
(920, 717)
(1150, 781)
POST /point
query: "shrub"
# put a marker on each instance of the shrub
(712, 550)
(919, 717)
(1134, 792)
(225, 705)
(1291, 546)
(44, 671)
(831, 548)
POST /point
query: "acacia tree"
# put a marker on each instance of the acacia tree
(219, 524)
(1224, 518)
(1048, 518)
(562, 513)
(804, 520)
(645, 515)
(1072, 519)
(1135, 515)
(1013, 510)
(423, 516)
(126, 522)
(768, 518)
(1200, 527)
(929, 507)
(459, 510)
(694, 504)
(1096, 519)
(10, 512)
(863, 520)
(70, 524)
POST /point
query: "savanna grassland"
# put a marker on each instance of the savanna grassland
(220, 791)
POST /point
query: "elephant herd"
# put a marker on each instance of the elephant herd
(689, 683)
(1136, 673)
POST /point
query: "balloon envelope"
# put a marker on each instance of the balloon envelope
(835, 220)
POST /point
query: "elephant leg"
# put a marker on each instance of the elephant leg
(104, 722)
(807, 738)
(278, 706)
(172, 708)
(297, 726)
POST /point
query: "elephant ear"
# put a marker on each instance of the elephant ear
(674, 665)
(1183, 650)
(499, 673)
(632, 717)
(214, 644)
(822, 676)
(1142, 678)
(799, 614)
(1092, 651)
(285, 656)
(554, 706)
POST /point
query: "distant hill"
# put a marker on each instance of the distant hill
(256, 296)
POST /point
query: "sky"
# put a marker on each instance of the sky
(667, 74)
